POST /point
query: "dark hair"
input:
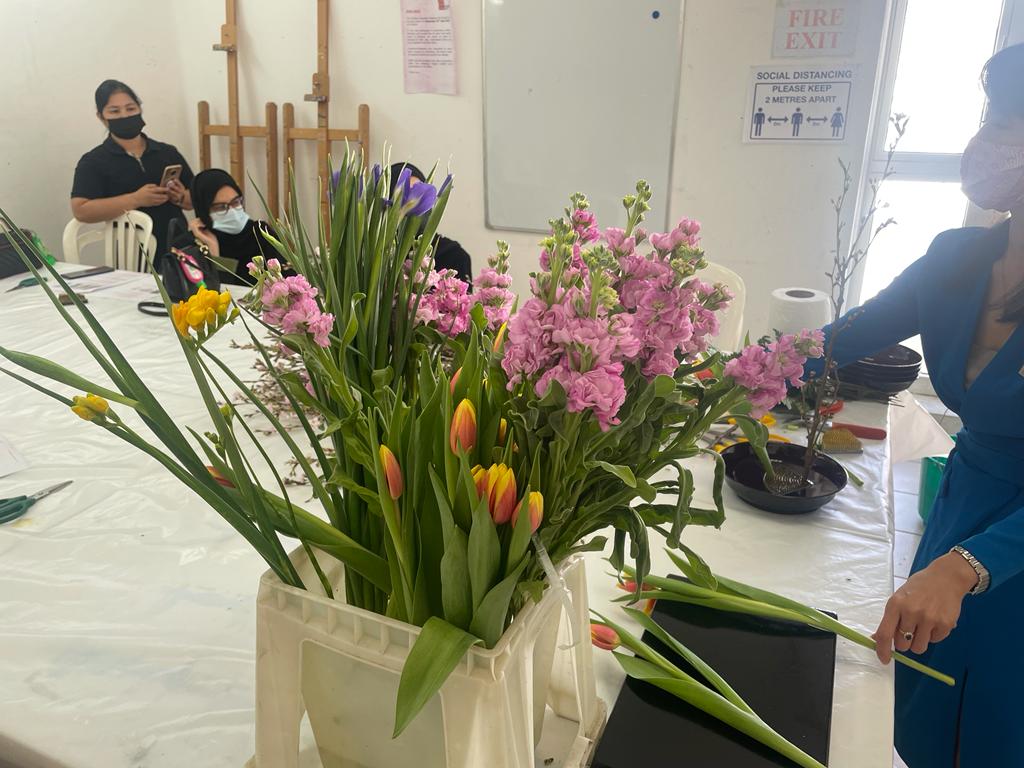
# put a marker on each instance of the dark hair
(205, 187)
(108, 88)
(1003, 80)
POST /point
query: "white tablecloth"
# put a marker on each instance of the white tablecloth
(127, 606)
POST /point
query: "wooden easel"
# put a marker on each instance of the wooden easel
(234, 130)
(323, 134)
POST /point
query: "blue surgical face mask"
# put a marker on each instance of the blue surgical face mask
(231, 222)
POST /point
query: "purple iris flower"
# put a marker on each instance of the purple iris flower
(417, 199)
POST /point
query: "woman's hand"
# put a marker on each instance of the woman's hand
(150, 195)
(206, 237)
(176, 192)
(926, 607)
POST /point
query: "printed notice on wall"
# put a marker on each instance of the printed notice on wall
(799, 104)
(428, 42)
(815, 28)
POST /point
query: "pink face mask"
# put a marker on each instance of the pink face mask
(993, 174)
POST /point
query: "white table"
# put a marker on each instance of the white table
(127, 606)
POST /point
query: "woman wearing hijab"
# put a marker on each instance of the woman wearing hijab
(448, 254)
(222, 224)
(960, 610)
(124, 172)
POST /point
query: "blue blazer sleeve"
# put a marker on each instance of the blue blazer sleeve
(889, 318)
(999, 548)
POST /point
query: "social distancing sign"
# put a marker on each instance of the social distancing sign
(799, 104)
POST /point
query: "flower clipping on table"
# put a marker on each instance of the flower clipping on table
(767, 370)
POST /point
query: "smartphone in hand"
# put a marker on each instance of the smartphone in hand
(171, 173)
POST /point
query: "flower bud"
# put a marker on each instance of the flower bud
(454, 381)
(463, 430)
(392, 472)
(604, 637)
(501, 493)
(534, 507)
(502, 431)
(89, 407)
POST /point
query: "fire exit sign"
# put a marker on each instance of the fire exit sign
(816, 28)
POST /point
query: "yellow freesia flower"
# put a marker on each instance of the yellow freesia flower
(204, 312)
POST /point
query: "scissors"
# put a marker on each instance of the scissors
(12, 509)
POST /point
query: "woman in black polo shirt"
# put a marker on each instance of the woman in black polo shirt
(124, 172)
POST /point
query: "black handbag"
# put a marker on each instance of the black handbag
(183, 272)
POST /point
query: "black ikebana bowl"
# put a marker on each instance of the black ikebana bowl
(745, 475)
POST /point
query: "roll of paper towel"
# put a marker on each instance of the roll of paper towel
(793, 309)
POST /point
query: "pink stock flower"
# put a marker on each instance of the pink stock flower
(290, 304)
(601, 390)
(447, 305)
(493, 293)
(618, 242)
(585, 224)
(767, 372)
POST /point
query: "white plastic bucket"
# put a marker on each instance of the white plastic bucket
(341, 665)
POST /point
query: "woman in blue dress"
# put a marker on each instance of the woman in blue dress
(962, 609)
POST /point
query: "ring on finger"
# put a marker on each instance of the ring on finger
(907, 636)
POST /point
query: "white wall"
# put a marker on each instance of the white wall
(765, 208)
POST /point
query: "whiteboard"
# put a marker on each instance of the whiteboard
(579, 96)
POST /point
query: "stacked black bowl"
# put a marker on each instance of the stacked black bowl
(889, 372)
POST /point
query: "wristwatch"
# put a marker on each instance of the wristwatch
(984, 579)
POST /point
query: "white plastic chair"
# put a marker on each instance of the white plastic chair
(128, 241)
(730, 330)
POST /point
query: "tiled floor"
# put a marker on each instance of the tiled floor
(908, 531)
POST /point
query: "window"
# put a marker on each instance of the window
(936, 51)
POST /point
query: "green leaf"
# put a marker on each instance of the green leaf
(489, 618)
(757, 434)
(341, 478)
(716, 488)
(60, 374)
(695, 661)
(596, 544)
(663, 385)
(684, 497)
(456, 596)
(706, 700)
(436, 652)
(521, 533)
(484, 553)
(647, 491)
(694, 567)
(625, 474)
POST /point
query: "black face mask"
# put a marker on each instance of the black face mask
(126, 127)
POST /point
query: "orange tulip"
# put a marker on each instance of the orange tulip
(454, 381)
(480, 480)
(603, 637)
(392, 472)
(463, 430)
(534, 507)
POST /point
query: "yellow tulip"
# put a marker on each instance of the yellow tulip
(500, 338)
(392, 472)
(502, 431)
